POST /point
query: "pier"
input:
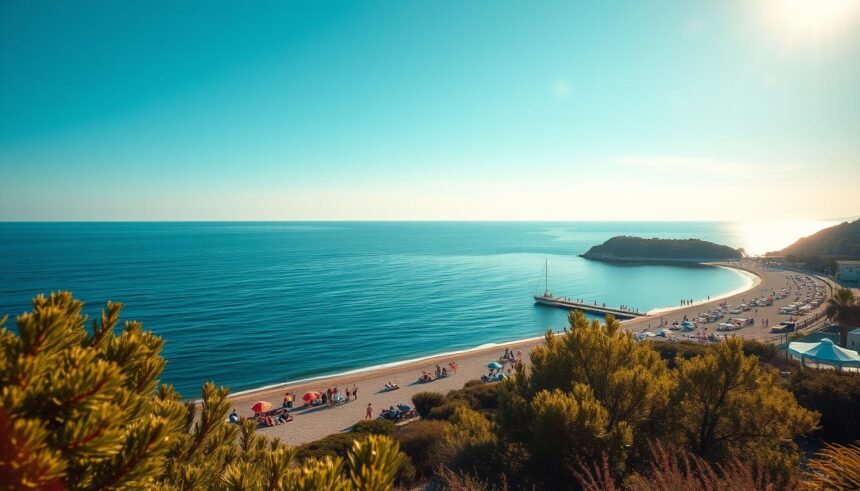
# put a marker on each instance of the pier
(564, 303)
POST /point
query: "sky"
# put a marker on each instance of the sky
(442, 110)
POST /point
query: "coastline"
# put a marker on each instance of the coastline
(313, 423)
(375, 370)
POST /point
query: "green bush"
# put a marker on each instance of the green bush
(420, 441)
(336, 445)
(684, 349)
(764, 351)
(407, 475)
(477, 395)
(836, 396)
(425, 401)
(446, 410)
(374, 427)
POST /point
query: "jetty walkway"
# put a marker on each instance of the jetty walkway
(565, 303)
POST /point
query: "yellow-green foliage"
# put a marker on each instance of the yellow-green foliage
(589, 392)
(468, 427)
(595, 392)
(727, 405)
(80, 410)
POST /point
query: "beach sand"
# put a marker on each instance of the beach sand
(314, 423)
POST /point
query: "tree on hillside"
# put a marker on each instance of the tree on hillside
(728, 406)
(843, 308)
(79, 409)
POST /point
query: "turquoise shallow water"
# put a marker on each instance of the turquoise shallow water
(251, 304)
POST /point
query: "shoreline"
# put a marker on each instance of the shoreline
(373, 370)
(313, 423)
(754, 280)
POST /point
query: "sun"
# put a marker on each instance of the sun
(819, 18)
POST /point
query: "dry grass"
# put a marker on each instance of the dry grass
(836, 467)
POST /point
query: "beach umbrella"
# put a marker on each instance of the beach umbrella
(495, 365)
(310, 396)
(261, 406)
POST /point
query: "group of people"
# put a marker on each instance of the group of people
(391, 386)
(688, 302)
(510, 357)
(332, 396)
(274, 417)
(441, 372)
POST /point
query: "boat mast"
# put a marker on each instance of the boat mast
(546, 277)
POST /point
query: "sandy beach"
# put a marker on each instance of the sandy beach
(314, 423)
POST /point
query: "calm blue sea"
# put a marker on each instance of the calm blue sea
(252, 304)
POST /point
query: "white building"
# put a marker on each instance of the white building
(848, 270)
(854, 340)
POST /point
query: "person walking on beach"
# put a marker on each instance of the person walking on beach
(355, 392)
(369, 413)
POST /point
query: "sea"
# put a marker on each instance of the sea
(252, 304)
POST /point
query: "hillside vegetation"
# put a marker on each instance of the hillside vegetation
(625, 248)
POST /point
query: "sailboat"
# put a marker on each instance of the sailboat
(546, 293)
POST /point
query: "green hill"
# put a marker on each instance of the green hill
(625, 248)
(838, 242)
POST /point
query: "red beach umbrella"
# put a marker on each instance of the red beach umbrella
(310, 396)
(261, 406)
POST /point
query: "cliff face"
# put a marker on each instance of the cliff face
(624, 248)
(839, 242)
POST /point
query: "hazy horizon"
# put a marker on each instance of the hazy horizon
(487, 111)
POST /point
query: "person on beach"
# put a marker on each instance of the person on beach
(347, 394)
(234, 416)
(355, 392)
(369, 413)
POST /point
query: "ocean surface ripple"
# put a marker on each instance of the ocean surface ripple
(252, 304)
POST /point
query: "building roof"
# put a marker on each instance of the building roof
(825, 352)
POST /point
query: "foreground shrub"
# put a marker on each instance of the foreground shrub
(589, 392)
(836, 396)
(669, 351)
(335, 445)
(446, 410)
(421, 441)
(477, 395)
(425, 401)
(79, 409)
(765, 352)
(374, 427)
(470, 444)
(727, 406)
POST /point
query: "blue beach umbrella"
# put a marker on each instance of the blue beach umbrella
(495, 365)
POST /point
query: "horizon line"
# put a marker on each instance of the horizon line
(421, 220)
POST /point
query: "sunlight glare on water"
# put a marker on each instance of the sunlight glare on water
(760, 237)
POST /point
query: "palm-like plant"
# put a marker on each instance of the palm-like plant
(844, 308)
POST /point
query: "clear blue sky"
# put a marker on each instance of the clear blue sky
(429, 110)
